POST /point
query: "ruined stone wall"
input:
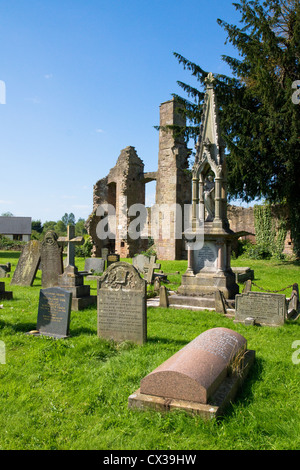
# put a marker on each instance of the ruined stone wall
(123, 187)
(242, 219)
(173, 183)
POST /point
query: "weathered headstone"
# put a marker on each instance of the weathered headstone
(112, 258)
(96, 265)
(202, 377)
(5, 269)
(51, 260)
(293, 303)
(248, 286)
(28, 264)
(262, 307)
(53, 313)
(156, 284)
(150, 267)
(163, 297)
(139, 262)
(122, 309)
(104, 253)
(5, 295)
(220, 306)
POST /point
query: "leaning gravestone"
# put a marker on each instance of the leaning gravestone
(200, 378)
(260, 308)
(53, 313)
(51, 260)
(122, 310)
(28, 264)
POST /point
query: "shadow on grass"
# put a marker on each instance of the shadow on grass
(10, 254)
(245, 395)
(159, 339)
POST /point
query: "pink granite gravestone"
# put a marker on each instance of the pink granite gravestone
(195, 372)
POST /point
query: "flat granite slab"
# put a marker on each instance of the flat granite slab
(217, 403)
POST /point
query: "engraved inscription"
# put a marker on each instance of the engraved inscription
(220, 343)
(206, 258)
(54, 311)
(122, 311)
(263, 307)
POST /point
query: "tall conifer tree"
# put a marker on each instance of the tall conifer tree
(259, 118)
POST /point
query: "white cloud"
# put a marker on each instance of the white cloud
(48, 76)
(99, 131)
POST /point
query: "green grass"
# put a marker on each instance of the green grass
(73, 393)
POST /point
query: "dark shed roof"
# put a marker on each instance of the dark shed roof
(15, 225)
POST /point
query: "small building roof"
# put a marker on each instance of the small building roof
(15, 225)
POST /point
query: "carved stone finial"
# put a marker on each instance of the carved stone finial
(209, 80)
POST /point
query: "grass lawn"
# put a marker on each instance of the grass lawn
(72, 394)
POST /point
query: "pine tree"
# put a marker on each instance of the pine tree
(259, 119)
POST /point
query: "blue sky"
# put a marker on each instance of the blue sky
(84, 79)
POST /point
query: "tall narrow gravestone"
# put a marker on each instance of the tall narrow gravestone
(122, 310)
(28, 264)
(51, 260)
(53, 313)
(202, 377)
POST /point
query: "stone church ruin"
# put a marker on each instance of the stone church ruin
(125, 186)
(118, 196)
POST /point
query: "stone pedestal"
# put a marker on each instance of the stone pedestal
(72, 281)
(209, 268)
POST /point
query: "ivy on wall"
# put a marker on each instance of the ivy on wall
(270, 233)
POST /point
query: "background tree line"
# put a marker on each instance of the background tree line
(60, 226)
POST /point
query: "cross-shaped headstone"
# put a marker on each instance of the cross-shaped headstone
(71, 241)
(150, 269)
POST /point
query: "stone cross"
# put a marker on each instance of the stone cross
(70, 240)
(150, 268)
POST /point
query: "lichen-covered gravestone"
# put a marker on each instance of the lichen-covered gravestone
(261, 308)
(122, 309)
(28, 264)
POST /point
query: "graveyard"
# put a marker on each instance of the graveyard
(72, 393)
(166, 319)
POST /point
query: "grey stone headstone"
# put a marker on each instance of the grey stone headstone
(122, 308)
(265, 308)
(104, 253)
(51, 260)
(5, 269)
(28, 264)
(139, 262)
(163, 297)
(54, 312)
(94, 265)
